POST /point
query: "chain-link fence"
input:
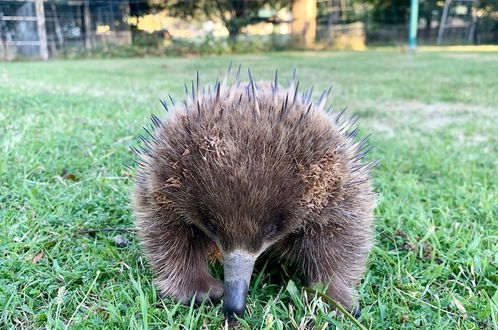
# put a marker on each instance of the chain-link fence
(442, 22)
(26, 27)
(45, 28)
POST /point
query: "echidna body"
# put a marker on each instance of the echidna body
(249, 168)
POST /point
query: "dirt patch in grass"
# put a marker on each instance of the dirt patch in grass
(473, 56)
(427, 116)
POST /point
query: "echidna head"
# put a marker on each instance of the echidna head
(246, 208)
(246, 197)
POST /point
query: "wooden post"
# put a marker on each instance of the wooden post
(87, 18)
(472, 31)
(304, 22)
(442, 24)
(124, 26)
(3, 38)
(42, 32)
(58, 30)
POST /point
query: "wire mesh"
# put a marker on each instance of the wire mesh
(88, 23)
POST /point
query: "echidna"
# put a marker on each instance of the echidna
(246, 168)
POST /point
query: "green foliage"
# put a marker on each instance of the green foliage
(235, 14)
(65, 130)
(148, 45)
(388, 11)
(397, 11)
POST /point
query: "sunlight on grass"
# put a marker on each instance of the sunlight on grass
(462, 48)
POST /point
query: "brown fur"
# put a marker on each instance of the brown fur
(243, 171)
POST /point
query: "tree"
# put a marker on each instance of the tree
(235, 14)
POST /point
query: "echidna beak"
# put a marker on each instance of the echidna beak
(238, 266)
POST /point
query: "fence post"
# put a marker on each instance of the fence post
(42, 33)
(412, 35)
(304, 22)
(442, 24)
(87, 18)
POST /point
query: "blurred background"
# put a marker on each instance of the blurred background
(121, 28)
(67, 126)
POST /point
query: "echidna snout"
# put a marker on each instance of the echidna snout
(239, 169)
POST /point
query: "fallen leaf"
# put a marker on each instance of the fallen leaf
(60, 294)
(427, 249)
(400, 233)
(121, 241)
(459, 305)
(410, 246)
(122, 265)
(71, 177)
(68, 176)
(37, 258)
(404, 318)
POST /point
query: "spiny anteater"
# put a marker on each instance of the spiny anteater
(248, 168)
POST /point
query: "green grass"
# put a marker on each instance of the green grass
(434, 117)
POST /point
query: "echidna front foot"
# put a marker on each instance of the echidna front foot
(211, 290)
(179, 255)
(356, 312)
(331, 256)
(342, 293)
(200, 288)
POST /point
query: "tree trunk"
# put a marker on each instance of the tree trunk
(233, 31)
(428, 24)
(234, 26)
(304, 22)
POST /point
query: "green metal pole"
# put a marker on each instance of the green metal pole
(412, 35)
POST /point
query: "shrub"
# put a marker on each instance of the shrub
(154, 45)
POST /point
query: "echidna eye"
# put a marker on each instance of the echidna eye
(208, 223)
(269, 230)
(211, 227)
(275, 224)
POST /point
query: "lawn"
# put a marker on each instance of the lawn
(66, 128)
